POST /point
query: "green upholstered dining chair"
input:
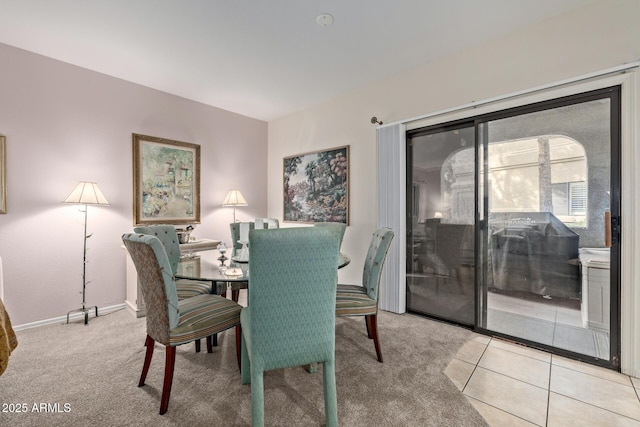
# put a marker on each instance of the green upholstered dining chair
(269, 223)
(290, 317)
(337, 227)
(169, 238)
(186, 288)
(172, 322)
(356, 300)
(235, 236)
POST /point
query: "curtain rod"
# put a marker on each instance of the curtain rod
(473, 104)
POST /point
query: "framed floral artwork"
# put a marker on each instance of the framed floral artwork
(166, 181)
(3, 176)
(316, 186)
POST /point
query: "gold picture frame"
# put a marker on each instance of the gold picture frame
(316, 186)
(3, 176)
(166, 181)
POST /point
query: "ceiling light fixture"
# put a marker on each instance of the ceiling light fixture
(324, 20)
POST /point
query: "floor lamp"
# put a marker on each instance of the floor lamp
(86, 193)
(234, 198)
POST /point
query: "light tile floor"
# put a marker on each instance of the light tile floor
(511, 385)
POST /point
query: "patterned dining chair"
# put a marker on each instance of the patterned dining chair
(171, 322)
(290, 317)
(362, 300)
(186, 288)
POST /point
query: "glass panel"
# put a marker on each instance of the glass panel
(440, 241)
(547, 186)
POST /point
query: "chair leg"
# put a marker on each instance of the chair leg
(330, 394)
(372, 325)
(197, 342)
(149, 342)
(239, 346)
(368, 327)
(210, 344)
(245, 362)
(257, 398)
(168, 378)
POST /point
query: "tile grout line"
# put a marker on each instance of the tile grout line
(549, 390)
(475, 367)
(589, 403)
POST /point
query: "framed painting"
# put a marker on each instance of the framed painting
(316, 186)
(166, 181)
(3, 176)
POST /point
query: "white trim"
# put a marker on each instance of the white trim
(63, 319)
(514, 95)
(630, 219)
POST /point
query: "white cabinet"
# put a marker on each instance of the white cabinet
(596, 290)
(134, 301)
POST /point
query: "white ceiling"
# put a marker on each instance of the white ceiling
(260, 58)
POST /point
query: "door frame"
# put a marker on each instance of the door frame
(628, 78)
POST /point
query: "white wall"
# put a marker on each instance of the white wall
(601, 35)
(66, 124)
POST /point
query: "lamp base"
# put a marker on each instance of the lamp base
(85, 311)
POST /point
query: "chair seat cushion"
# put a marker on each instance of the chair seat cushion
(187, 288)
(352, 300)
(203, 315)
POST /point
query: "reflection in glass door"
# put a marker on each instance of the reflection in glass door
(441, 263)
(511, 224)
(547, 202)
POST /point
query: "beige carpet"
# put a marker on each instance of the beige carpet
(88, 375)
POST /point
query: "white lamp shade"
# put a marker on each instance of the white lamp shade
(234, 198)
(87, 193)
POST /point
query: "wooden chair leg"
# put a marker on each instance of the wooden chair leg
(209, 344)
(368, 327)
(197, 342)
(372, 325)
(239, 345)
(168, 378)
(149, 342)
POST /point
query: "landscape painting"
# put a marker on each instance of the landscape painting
(316, 186)
(166, 185)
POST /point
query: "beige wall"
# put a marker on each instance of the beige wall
(66, 124)
(601, 35)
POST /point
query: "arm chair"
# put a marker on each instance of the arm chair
(171, 322)
(290, 318)
(186, 288)
(355, 300)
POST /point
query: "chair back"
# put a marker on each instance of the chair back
(338, 228)
(292, 296)
(269, 223)
(235, 236)
(157, 284)
(380, 243)
(169, 238)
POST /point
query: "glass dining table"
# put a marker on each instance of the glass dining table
(206, 267)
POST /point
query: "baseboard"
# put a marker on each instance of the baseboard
(63, 319)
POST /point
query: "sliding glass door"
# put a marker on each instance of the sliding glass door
(441, 242)
(513, 224)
